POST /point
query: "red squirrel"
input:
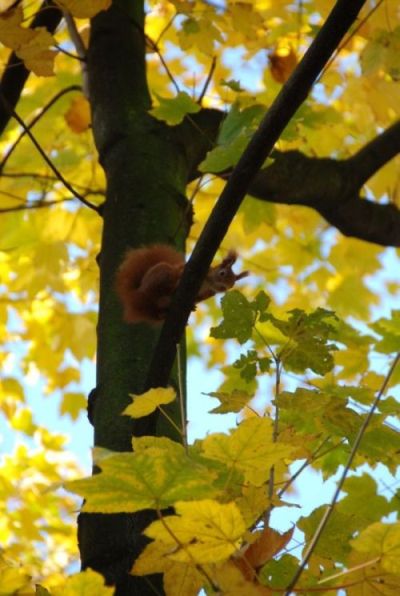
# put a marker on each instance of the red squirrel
(148, 277)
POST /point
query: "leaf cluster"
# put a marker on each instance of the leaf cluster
(223, 488)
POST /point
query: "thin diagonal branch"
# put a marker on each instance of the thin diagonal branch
(354, 32)
(157, 50)
(208, 80)
(47, 160)
(330, 508)
(43, 177)
(37, 205)
(80, 49)
(34, 120)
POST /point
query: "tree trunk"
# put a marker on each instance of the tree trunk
(146, 176)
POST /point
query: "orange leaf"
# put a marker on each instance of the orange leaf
(282, 62)
(268, 544)
(78, 115)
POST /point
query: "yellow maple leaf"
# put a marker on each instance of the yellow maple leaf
(366, 576)
(12, 35)
(249, 448)
(13, 580)
(36, 53)
(179, 578)
(149, 478)
(153, 559)
(182, 579)
(382, 540)
(202, 531)
(84, 9)
(86, 583)
(145, 404)
(232, 583)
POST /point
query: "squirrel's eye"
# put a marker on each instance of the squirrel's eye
(222, 273)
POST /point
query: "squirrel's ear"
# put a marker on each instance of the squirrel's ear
(229, 259)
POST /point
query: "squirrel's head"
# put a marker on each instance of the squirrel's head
(222, 277)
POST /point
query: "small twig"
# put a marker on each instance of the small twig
(70, 54)
(299, 24)
(38, 205)
(330, 507)
(275, 432)
(170, 420)
(208, 80)
(346, 571)
(167, 26)
(349, 37)
(86, 189)
(34, 120)
(183, 547)
(80, 49)
(189, 206)
(181, 398)
(154, 46)
(47, 160)
(325, 589)
(313, 457)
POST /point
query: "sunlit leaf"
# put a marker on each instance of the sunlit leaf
(174, 110)
(86, 583)
(84, 8)
(230, 402)
(153, 477)
(381, 540)
(249, 448)
(202, 531)
(148, 402)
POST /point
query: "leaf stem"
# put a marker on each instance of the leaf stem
(180, 397)
(183, 547)
(275, 433)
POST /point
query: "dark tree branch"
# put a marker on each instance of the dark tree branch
(331, 187)
(365, 220)
(375, 154)
(16, 73)
(197, 135)
(292, 95)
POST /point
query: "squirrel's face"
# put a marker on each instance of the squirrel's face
(224, 279)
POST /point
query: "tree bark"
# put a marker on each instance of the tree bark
(146, 174)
